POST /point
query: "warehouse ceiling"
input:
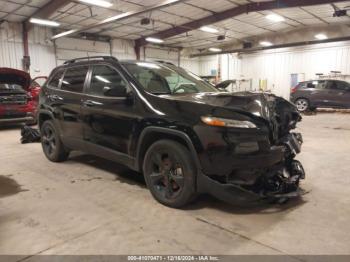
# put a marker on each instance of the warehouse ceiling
(78, 15)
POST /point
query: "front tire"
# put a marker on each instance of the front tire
(302, 104)
(170, 173)
(51, 143)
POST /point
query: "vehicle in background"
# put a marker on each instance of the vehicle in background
(329, 93)
(19, 95)
(183, 134)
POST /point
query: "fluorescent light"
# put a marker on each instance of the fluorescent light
(154, 40)
(43, 22)
(148, 65)
(102, 79)
(64, 33)
(116, 17)
(209, 29)
(214, 49)
(101, 3)
(275, 18)
(321, 36)
(265, 43)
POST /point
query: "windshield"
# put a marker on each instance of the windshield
(167, 79)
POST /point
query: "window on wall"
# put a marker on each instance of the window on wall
(105, 81)
(74, 79)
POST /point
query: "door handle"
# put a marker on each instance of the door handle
(91, 103)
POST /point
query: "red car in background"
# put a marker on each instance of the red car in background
(19, 95)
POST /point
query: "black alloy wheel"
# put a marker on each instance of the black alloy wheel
(170, 173)
(51, 143)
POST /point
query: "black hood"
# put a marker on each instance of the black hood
(280, 115)
(256, 104)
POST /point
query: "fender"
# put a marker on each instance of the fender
(45, 112)
(168, 131)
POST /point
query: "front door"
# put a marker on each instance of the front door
(108, 111)
(339, 94)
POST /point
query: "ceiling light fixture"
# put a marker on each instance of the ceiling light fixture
(265, 43)
(275, 18)
(214, 49)
(209, 29)
(64, 34)
(321, 36)
(44, 22)
(154, 40)
(100, 3)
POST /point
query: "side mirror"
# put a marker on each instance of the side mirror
(115, 91)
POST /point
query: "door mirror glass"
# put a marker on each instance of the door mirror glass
(116, 91)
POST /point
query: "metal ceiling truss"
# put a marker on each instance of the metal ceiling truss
(230, 13)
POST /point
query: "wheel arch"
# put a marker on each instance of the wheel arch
(306, 98)
(43, 116)
(152, 134)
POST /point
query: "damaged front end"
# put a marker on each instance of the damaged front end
(269, 171)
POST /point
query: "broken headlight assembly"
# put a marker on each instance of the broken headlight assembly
(224, 122)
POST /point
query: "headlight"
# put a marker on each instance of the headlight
(215, 121)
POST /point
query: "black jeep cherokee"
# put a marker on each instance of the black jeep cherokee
(185, 136)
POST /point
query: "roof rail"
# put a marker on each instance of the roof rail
(165, 62)
(88, 58)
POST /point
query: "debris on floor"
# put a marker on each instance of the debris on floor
(29, 135)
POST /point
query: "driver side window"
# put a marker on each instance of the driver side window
(106, 81)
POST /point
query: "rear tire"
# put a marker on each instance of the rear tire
(51, 143)
(302, 104)
(170, 173)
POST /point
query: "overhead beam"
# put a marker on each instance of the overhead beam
(238, 10)
(47, 10)
(286, 45)
(119, 17)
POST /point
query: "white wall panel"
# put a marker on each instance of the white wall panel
(278, 65)
(44, 58)
(191, 64)
(153, 54)
(207, 64)
(123, 49)
(40, 49)
(69, 48)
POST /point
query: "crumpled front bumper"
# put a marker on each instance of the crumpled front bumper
(280, 172)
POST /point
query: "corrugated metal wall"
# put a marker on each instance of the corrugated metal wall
(172, 56)
(45, 55)
(41, 50)
(277, 66)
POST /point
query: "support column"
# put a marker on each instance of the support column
(26, 56)
(137, 49)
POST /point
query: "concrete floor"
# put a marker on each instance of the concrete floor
(92, 206)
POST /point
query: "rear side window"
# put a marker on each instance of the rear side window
(74, 79)
(318, 84)
(106, 81)
(55, 80)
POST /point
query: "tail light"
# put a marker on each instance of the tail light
(294, 89)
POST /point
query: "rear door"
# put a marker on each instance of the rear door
(318, 93)
(108, 113)
(67, 104)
